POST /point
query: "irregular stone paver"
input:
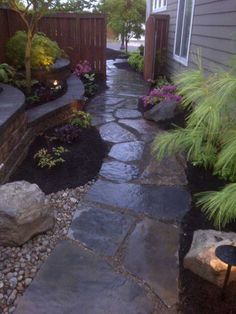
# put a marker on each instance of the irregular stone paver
(102, 109)
(102, 119)
(100, 229)
(75, 281)
(103, 100)
(119, 171)
(112, 132)
(169, 171)
(167, 203)
(127, 151)
(130, 103)
(141, 126)
(152, 254)
(127, 114)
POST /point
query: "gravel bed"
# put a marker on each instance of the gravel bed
(19, 265)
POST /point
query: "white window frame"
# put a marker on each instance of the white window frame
(180, 59)
(158, 8)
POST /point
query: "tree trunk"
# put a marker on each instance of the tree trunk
(122, 47)
(28, 61)
(126, 44)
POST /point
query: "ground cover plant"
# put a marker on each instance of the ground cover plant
(136, 61)
(47, 159)
(209, 136)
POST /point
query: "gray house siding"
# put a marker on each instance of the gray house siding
(213, 34)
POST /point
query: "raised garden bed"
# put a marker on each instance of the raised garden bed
(60, 71)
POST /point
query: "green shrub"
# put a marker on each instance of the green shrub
(44, 50)
(136, 61)
(7, 73)
(209, 139)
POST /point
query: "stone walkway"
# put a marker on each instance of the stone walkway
(121, 255)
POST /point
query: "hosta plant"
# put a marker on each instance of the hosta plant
(46, 159)
(209, 137)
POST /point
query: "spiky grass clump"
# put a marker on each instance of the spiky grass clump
(209, 139)
(219, 206)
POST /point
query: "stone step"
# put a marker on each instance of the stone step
(74, 281)
(152, 255)
(158, 202)
(99, 228)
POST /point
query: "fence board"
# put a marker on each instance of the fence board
(81, 36)
(156, 44)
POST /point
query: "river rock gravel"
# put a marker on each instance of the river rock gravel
(19, 265)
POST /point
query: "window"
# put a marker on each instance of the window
(183, 30)
(159, 5)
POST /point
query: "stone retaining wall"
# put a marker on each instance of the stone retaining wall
(10, 140)
(17, 132)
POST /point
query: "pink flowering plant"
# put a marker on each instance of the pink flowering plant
(156, 95)
(82, 68)
(83, 71)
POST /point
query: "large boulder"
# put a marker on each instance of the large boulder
(24, 212)
(201, 258)
(165, 110)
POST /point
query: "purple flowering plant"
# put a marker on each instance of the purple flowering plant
(67, 133)
(156, 95)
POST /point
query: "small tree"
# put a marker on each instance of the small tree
(30, 13)
(75, 6)
(125, 17)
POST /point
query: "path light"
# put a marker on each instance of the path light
(56, 85)
(227, 254)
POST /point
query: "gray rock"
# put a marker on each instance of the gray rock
(201, 258)
(165, 110)
(23, 213)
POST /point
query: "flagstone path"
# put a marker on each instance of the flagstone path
(121, 253)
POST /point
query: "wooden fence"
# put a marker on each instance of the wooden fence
(81, 36)
(156, 45)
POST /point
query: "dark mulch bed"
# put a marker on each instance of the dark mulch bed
(114, 54)
(82, 163)
(125, 66)
(197, 295)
